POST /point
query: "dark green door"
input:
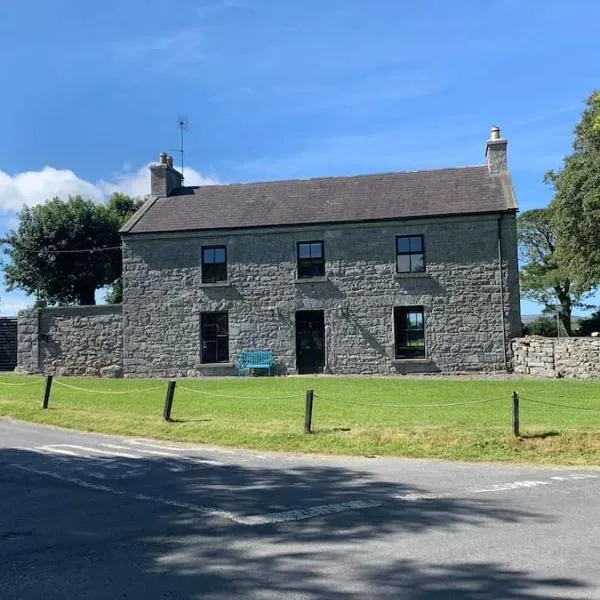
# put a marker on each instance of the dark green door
(310, 341)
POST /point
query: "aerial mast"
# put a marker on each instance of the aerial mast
(182, 123)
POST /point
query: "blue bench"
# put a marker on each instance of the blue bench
(255, 360)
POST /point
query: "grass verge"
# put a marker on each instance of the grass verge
(372, 416)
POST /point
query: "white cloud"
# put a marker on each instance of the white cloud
(137, 183)
(167, 52)
(34, 187)
(188, 39)
(9, 308)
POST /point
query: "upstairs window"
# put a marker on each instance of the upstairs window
(214, 264)
(410, 255)
(215, 337)
(409, 332)
(311, 259)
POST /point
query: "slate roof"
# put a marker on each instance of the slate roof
(457, 191)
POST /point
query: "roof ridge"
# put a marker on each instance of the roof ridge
(333, 177)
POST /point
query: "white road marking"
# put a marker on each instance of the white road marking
(50, 450)
(151, 445)
(86, 450)
(308, 513)
(495, 487)
(143, 450)
(177, 464)
(240, 454)
(162, 453)
(105, 488)
(501, 487)
(275, 517)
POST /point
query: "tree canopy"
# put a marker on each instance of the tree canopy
(544, 326)
(589, 325)
(123, 207)
(64, 250)
(576, 205)
(545, 277)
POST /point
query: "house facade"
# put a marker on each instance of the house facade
(387, 273)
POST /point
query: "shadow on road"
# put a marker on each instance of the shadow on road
(73, 527)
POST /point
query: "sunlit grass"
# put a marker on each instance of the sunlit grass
(370, 416)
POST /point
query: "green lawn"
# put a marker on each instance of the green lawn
(352, 415)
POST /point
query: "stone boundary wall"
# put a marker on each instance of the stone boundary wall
(71, 340)
(576, 357)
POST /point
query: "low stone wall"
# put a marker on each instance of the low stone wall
(71, 340)
(577, 357)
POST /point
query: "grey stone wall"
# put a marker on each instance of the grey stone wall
(468, 321)
(71, 340)
(577, 357)
(28, 350)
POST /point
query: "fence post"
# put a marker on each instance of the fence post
(169, 400)
(515, 398)
(47, 389)
(308, 411)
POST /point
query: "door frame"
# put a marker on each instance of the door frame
(324, 361)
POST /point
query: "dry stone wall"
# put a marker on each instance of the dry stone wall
(577, 357)
(71, 340)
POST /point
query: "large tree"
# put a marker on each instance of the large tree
(545, 278)
(123, 207)
(64, 250)
(576, 204)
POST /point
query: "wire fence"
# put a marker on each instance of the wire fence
(569, 406)
(109, 392)
(438, 405)
(233, 397)
(309, 399)
(20, 384)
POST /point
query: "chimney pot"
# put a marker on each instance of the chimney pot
(163, 158)
(495, 133)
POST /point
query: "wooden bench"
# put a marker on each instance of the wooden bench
(255, 360)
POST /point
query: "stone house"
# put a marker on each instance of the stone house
(386, 273)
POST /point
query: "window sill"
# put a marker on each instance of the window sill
(412, 361)
(410, 275)
(217, 284)
(320, 279)
(217, 365)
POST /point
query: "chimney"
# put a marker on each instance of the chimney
(495, 152)
(164, 179)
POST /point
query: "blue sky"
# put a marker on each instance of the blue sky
(92, 90)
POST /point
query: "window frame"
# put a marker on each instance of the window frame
(221, 341)
(402, 334)
(309, 268)
(211, 272)
(410, 253)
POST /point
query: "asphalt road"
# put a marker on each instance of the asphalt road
(89, 516)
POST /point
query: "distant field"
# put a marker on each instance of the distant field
(413, 417)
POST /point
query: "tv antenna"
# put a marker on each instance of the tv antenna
(182, 123)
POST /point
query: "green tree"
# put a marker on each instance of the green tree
(123, 207)
(64, 250)
(589, 325)
(545, 278)
(545, 326)
(576, 204)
